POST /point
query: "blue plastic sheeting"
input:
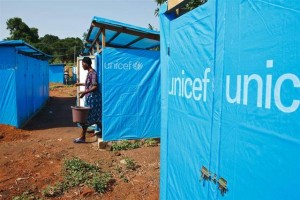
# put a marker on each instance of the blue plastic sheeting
(74, 77)
(24, 48)
(56, 73)
(118, 34)
(130, 93)
(24, 86)
(230, 101)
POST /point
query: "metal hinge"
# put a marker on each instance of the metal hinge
(206, 176)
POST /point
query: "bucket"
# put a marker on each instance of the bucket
(80, 114)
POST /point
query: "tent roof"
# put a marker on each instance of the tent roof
(26, 49)
(121, 35)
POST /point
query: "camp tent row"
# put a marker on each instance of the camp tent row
(229, 100)
(24, 75)
(129, 73)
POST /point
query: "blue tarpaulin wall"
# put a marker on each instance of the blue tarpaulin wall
(231, 101)
(56, 73)
(24, 86)
(130, 93)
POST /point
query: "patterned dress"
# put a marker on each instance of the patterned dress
(93, 99)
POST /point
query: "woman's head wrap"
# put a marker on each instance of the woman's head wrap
(87, 60)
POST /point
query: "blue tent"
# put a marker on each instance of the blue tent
(24, 75)
(130, 79)
(230, 101)
(56, 73)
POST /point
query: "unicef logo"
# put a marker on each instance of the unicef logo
(137, 66)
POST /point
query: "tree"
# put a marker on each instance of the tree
(189, 6)
(46, 44)
(20, 31)
(62, 50)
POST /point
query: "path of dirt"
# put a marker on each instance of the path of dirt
(32, 158)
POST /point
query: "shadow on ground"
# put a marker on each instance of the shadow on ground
(56, 113)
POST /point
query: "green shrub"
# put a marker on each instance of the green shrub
(130, 164)
(125, 145)
(151, 142)
(77, 172)
(26, 196)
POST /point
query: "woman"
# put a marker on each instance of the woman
(92, 99)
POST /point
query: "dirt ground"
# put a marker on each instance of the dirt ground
(32, 158)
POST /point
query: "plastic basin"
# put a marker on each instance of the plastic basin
(80, 114)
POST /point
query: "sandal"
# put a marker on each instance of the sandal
(79, 140)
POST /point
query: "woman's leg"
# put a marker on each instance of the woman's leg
(83, 132)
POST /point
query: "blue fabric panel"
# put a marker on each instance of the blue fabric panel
(164, 41)
(247, 130)
(146, 43)
(98, 59)
(124, 39)
(131, 94)
(93, 34)
(22, 88)
(120, 24)
(8, 103)
(32, 86)
(260, 137)
(7, 58)
(21, 46)
(108, 35)
(56, 73)
(190, 73)
(27, 89)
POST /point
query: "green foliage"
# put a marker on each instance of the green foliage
(100, 182)
(130, 164)
(189, 6)
(77, 172)
(20, 31)
(63, 50)
(121, 173)
(125, 145)
(151, 142)
(54, 191)
(26, 196)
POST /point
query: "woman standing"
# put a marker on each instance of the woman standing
(93, 99)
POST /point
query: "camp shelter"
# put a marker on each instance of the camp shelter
(24, 75)
(56, 73)
(129, 71)
(230, 101)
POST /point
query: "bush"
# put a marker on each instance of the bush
(125, 145)
(77, 172)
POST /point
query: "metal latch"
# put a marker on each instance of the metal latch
(205, 174)
(222, 185)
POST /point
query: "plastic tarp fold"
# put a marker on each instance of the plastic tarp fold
(130, 93)
(230, 101)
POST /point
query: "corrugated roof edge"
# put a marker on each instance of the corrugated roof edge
(120, 24)
(22, 43)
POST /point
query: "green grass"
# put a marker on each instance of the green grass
(130, 164)
(151, 142)
(77, 172)
(26, 196)
(125, 145)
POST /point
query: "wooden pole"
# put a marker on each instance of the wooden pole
(103, 38)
